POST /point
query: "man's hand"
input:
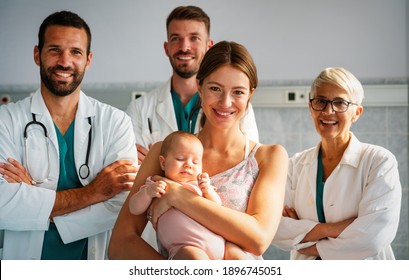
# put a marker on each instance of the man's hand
(113, 179)
(15, 172)
(142, 152)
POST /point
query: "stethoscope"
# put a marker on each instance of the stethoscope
(195, 109)
(83, 171)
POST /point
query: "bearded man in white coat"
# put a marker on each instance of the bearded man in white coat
(67, 160)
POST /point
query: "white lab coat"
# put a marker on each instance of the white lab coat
(157, 105)
(25, 210)
(365, 184)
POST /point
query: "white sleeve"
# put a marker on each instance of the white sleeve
(22, 207)
(290, 231)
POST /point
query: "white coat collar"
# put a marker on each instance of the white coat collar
(85, 107)
(351, 155)
(165, 91)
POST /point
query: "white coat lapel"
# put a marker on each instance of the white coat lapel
(39, 109)
(311, 163)
(165, 113)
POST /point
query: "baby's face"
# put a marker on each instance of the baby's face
(184, 160)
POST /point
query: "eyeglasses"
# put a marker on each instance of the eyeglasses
(337, 105)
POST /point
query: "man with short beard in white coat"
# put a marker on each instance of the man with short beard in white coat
(61, 189)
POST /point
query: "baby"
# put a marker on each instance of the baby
(183, 238)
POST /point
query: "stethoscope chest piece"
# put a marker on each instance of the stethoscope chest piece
(84, 171)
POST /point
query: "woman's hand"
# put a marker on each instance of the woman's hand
(15, 172)
(160, 206)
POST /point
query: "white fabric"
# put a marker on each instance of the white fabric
(25, 210)
(365, 184)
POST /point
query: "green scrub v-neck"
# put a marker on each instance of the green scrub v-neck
(186, 116)
(320, 189)
(53, 246)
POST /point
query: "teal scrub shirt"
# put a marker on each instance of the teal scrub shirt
(186, 116)
(320, 189)
(53, 246)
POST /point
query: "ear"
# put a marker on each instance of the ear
(89, 59)
(199, 88)
(358, 113)
(251, 93)
(162, 162)
(210, 44)
(165, 48)
(36, 55)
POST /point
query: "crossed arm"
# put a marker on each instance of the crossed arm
(319, 232)
(113, 179)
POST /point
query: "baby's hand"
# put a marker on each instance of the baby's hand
(156, 189)
(204, 182)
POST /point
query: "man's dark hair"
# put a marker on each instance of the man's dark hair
(189, 13)
(63, 18)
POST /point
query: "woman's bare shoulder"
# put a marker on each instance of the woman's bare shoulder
(271, 150)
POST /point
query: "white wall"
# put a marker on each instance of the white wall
(290, 40)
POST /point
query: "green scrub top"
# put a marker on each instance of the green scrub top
(186, 116)
(320, 189)
(53, 246)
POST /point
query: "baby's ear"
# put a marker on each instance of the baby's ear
(162, 162)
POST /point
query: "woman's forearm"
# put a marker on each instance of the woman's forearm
(126, 241)
(234, 226)
(327, 230)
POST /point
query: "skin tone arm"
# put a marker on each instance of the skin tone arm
(112, 180)
(126, 241)
(141, 200)
(320, 231)
(253, 230)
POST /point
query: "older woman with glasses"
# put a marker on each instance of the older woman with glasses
(343, 197)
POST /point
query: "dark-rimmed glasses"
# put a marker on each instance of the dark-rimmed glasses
(337, 105)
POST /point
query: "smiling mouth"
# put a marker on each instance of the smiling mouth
(223, 114)
(324, 122)
(63, 74)
(184, 58)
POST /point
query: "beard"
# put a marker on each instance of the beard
(183, 70)
(60, 88)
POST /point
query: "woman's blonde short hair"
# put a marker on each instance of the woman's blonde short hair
(341, 78)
